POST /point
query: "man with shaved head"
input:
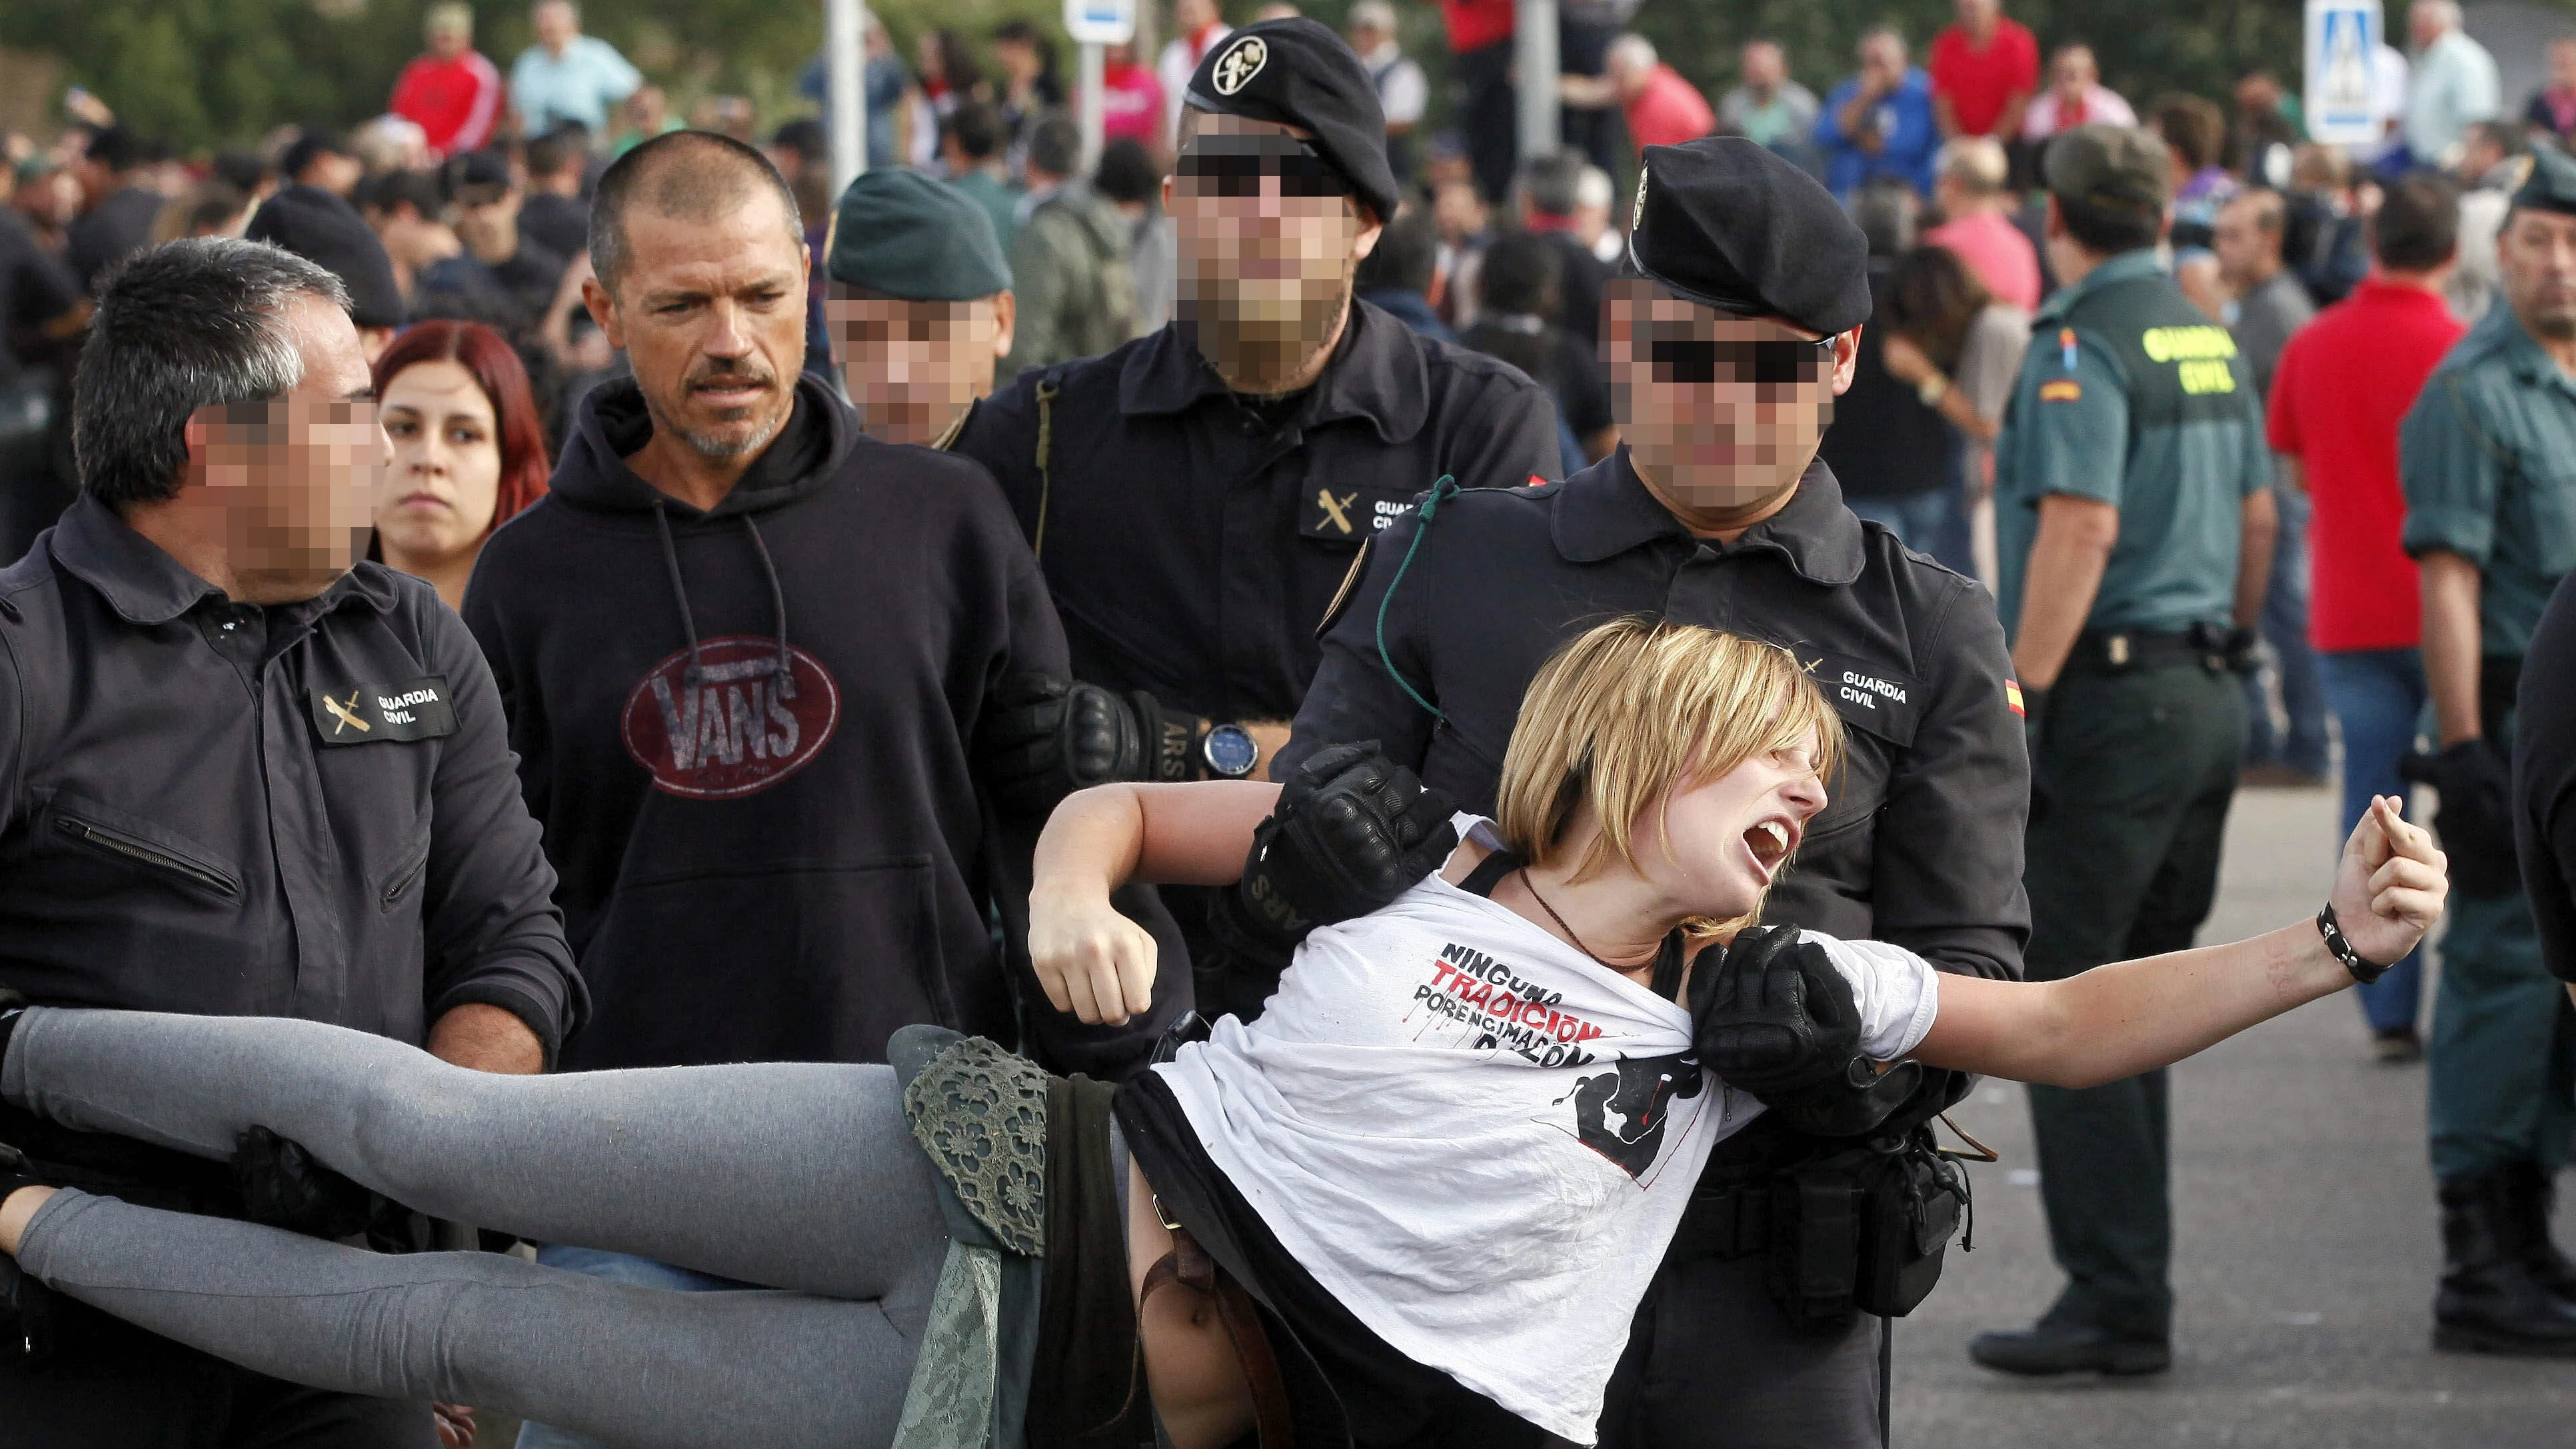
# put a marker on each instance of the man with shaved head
(749, 655)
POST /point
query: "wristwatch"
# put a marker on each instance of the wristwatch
(1230, 752)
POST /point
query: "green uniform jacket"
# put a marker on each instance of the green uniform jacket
(1072, 271)
(2131, 395)
(2488, 461)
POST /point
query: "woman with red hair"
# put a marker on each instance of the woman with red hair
(468, 451)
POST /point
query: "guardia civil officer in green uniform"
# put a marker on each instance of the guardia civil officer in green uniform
(917, 303)
(2135, 523)
(2488, 461)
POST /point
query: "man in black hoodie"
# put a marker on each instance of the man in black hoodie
(747, 654)
(747, 651)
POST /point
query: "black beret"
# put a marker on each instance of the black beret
(1726, 223)
(2550, 184)
(1297, 72)
(328, 232)
(905, 235)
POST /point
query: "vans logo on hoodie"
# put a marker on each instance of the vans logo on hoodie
(732, 729)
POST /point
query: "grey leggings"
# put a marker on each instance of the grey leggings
(797, 1176)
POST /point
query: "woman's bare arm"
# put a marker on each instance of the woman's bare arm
(1091, 960)
(2118, 1020)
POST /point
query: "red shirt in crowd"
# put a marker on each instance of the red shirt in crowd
(1669, 111)
(1475, 24)
(2342, 388)
(455, 101)
(1131, 104)
(1978, 82)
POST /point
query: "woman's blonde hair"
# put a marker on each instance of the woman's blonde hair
(1634, 710)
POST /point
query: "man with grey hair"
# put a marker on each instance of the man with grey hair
(243, 772)
(1550, 190)
(1972, 190)
(1402, 89)
(2452, 82)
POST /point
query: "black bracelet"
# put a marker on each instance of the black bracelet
(2363, 971)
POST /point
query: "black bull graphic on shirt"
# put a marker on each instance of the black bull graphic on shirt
(1620, 1113)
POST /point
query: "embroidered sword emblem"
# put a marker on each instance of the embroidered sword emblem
(1333, 509)
(341, 713)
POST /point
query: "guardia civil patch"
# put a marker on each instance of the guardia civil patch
(361, 714)
(2063, 389)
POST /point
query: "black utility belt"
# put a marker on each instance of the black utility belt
(1860, 1228)
(2121, 651)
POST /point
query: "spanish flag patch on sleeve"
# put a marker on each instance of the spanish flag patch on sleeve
(2061, 389)
(2012, 698)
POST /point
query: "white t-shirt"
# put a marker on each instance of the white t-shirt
(1479, 1140)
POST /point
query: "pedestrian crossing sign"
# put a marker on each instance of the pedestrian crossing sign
(2342, 54)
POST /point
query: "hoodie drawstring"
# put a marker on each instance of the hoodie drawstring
(679, 590)
(688, 618)
(777, 602)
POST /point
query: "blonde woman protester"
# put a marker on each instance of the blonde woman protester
(1443, 1161)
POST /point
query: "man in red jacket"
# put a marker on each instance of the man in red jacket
(452, 93)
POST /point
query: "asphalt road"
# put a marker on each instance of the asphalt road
(2305, 1252)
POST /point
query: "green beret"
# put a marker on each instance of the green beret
(2118, 168)
(902, 234)
(2550, 184)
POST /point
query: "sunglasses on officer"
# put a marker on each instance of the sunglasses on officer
(1219, 164)
(1681, 356)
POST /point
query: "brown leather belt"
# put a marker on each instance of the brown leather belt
(1188, 1264)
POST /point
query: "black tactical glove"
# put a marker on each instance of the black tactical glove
(26, 1317)
(1351, 832)
(1770, 1014)
(1044, 738)
(2475, 818)
(26, 1308)
(284, 1186)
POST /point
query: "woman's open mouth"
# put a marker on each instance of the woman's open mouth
(1771, 842)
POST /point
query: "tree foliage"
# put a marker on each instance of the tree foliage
(203, 73)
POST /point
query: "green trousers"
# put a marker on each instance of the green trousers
(2131, 780)
(2501, 1065)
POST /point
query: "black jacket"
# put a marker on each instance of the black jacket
(224, 810)
(1191, 542)
(1921, 844)
(755, 872)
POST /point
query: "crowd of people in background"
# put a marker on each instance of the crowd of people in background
(459, 221)
(467, 201)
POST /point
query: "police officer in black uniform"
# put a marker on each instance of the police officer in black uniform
(1736, 325)
(243, 772)
(1195, 496)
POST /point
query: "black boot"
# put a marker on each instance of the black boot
(2529, 1195)
(2055, 1346)
(2490, 1301)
